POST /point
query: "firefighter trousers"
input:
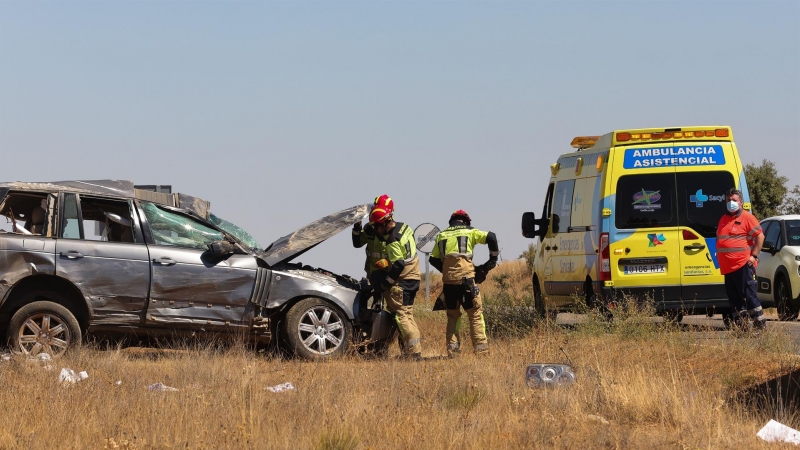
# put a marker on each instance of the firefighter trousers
(468, 297)
(400, 302)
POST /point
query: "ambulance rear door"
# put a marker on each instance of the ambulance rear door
(644, 234)
(709, 170)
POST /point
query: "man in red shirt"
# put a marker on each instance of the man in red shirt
(739, 240)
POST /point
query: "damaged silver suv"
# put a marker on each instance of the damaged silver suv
(80, 257)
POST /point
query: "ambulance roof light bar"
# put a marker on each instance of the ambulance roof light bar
(582, 142)
(671, 134)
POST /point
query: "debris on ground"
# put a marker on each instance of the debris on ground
(549, 375)
(282, 387)
(775, 431)
(160, 387)
(43, 359)
(599, 419)
(118, 383)
(69, 376)
(5, 356)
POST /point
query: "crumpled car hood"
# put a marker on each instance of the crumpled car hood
(304, 239)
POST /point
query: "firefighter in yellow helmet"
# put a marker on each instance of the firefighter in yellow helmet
(375, 248)
(399, 276)
(452, 256)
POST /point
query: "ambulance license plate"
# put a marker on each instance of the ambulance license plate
(645, 268)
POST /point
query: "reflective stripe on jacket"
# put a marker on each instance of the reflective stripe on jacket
(735, 235)
(401, 251)
(454, 247)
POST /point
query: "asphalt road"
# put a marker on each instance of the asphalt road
(712, 326)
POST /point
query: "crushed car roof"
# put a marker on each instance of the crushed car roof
(116, 188)
(282, 250)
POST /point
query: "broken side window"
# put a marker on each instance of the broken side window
(234, 230)
(106, 220)
(25, 213)
(70, 222)
(171, 228)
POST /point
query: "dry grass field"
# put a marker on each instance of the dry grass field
(640, 385)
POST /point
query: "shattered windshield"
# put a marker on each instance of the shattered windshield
(169, 228)
(235, 231)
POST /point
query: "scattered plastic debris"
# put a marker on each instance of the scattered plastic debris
(5, 356)
(69, 376)
(282, 387)
(599, 419)
(118, 383)
(43, 359)
(549, 375)
(775, 431)
(159, 387)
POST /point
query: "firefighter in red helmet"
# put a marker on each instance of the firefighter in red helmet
(452, 255)
(365, 236)
(399, 275)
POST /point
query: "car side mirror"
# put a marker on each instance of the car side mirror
(768, 247)
(220, 249)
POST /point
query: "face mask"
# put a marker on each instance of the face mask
(733, 206)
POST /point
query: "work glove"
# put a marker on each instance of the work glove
(439, 304)
(480, 274)
(369, 230)
(483, 270)
(357, 227)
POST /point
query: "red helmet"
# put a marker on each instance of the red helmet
(384, 201)
(379, 215)
(462, 216)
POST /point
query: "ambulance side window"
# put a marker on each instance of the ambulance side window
(701, 200)
(562, 208)
(548, 206)
(646, 201)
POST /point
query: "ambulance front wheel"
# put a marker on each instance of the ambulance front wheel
(538, 300)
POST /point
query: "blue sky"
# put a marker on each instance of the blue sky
(281, 112)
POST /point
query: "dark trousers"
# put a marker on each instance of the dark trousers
(742, 294)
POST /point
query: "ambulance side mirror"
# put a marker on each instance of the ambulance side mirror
(532, 228)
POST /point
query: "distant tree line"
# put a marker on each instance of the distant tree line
(769, 195)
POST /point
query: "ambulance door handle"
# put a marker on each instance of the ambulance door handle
(695, 246)
(555, 247)
(547, 248)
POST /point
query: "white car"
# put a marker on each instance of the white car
(778, 269)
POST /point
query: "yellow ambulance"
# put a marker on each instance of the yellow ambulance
(635, 212)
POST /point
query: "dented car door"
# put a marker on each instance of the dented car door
(101, 250)
(189, 286)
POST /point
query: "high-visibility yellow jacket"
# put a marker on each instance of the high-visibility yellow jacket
(452, 254)
(375, 248)
(401, 251)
